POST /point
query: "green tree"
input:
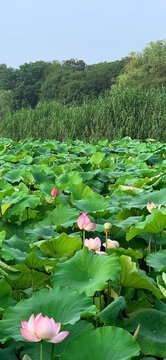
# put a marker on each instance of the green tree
(6, 102)
(29, 79)
(7, 77)
(147, 68)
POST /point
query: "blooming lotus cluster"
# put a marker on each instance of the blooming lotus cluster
(84, 223)
(42, 328)
(94, 245)
(54, 192)
(151, 206)
(111, 244)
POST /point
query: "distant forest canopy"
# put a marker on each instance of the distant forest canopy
(69, 82)
(72, 82)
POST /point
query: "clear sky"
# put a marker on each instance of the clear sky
(91, 30)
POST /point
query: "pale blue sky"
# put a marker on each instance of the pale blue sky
(91, 30)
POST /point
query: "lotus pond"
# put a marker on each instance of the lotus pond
(60, 299)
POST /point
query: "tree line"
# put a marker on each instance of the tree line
(124, 97)
(69, 82)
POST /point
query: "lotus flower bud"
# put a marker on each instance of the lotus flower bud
(111, 244)
(54, 192)
(84, 223)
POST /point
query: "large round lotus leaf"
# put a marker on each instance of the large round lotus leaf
(62, 215)
(63, 304)
(93, 204)
(133, 277)
(14, 175)
(157, 260)
(152, 334)
(102, 344)
(87, 272)
(63, 245)
(153, 224)
(140, 201)
(33, 349)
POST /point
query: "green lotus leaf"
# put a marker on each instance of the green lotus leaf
(63, 215)
(131, 276)
(40, 176)
(2, 149)
(151, 336)
(134, 254)
(86, 272)
(112, 311)
(157, 260)
(46, 188)
(5, 295)
(37, 262)
(9, 253)
(129, 221)
(63, 304)
(63, 245)
(27, 159)
(97, 158)
(154, 224)
(14, 175)
(93, 204)
(30, 201)
(129, 190)
(7, 354)
(104, 343)
(27, 278)
(40, 232)
(80, 191)
(65, 180)
(141, 201)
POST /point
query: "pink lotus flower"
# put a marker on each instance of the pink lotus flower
(151, 206)
(84, 223)
(42, 328)
(111, 244)
(54, 192)
(131, 185)
(94, 245)
(112, 158)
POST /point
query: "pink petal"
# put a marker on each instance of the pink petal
(28, 335)
(83, 221)
(24, 324)
(95, 243)
(38, 316)
(90, 226)
(59, 337)
(44, 328)
(87, 243)
(56, 326)
(31, 324)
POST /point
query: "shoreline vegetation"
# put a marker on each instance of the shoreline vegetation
(133, 112)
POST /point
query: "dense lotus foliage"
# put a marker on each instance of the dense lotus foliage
(107, 299)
